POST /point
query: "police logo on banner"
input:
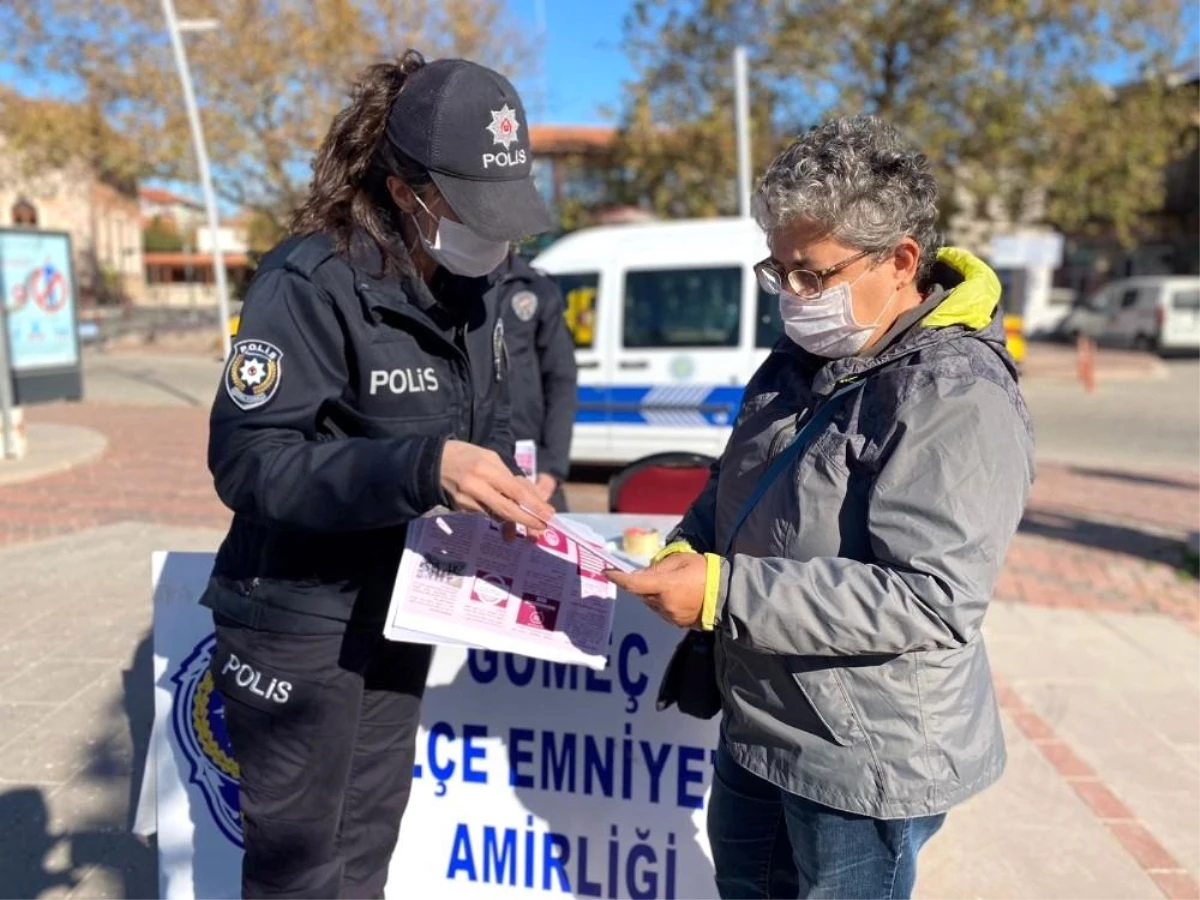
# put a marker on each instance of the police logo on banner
(253, 373)
(525, 304)
(198, 718)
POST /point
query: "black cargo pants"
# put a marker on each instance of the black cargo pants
(324, 729)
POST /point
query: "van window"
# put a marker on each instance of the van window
(683, 308)
(768, 328)
(1014, 290)
(1128, 298)
(579, 290)
(1189, 300)
(1097, 302)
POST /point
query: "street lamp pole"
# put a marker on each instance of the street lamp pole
(741, 76)
(539, 17)
(210, 202)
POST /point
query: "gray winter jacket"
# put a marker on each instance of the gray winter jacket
(849, 653)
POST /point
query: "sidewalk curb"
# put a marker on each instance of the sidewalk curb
(53, 449)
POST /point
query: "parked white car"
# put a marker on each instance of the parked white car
(1150, 312)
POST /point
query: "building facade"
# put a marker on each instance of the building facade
(103, 220)
(181, 213)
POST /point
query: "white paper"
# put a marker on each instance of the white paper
(461, 583)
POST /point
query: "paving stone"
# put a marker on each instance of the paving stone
(1140, 766)
(53, 682)
(41, 758)
(18, 718)
(1029, 835)
(1175, 648)
(115, 644)
(18, 654)
(1167, 711)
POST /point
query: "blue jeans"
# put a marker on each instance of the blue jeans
(769, 843)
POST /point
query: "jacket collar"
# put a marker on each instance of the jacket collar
(963, 300)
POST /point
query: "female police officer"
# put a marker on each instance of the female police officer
(366, 387)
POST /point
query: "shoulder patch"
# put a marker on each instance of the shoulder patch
(252, 374)
(525, 304)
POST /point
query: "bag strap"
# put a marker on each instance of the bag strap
(789, 454)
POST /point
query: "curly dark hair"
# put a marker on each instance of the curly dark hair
(348, 196)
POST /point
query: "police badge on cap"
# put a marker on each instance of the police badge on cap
(466, 124)
(253, 373)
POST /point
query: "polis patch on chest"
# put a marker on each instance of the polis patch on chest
(404, 381)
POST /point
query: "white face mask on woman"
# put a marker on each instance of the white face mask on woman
(824, 325)
(458, 249)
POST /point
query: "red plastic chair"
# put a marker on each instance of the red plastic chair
(660, 484)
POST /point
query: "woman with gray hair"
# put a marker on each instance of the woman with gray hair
(845, 549)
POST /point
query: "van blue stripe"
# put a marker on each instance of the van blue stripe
(635, 405)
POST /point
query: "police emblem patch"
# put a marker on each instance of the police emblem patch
(525, 304)
(504, 126)
(253, 372)
(198, 719)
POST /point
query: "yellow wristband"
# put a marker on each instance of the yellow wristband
(712, 591)
(671, 549)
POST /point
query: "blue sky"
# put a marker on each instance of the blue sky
(583, 65)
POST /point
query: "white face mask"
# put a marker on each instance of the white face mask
(825, 325)
(458, 249)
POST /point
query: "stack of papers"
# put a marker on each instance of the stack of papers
(461, 583)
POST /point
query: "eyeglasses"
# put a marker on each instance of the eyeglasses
(801, 282)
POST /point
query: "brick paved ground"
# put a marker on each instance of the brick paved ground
(153, 471)
(1093, 538)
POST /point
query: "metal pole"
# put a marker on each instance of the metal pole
(539, 15)
(8, 437)
(741, 75)
(210, 203)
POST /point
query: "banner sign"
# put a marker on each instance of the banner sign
(37, 282)
(532, 778)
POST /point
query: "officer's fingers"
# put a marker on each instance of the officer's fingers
(521, 492)
(466, 494)
(506, 510)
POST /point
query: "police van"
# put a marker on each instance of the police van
(669, 325)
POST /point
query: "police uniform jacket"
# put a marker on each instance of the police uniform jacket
(542, 352)
(326, 437)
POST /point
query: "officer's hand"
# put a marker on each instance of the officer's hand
(476, 480)
(546, 486)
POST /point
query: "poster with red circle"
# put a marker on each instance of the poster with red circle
(37, 283)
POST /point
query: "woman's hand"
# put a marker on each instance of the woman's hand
(673, 588)
(476, 480)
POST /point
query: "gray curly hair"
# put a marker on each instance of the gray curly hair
(861, 181)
